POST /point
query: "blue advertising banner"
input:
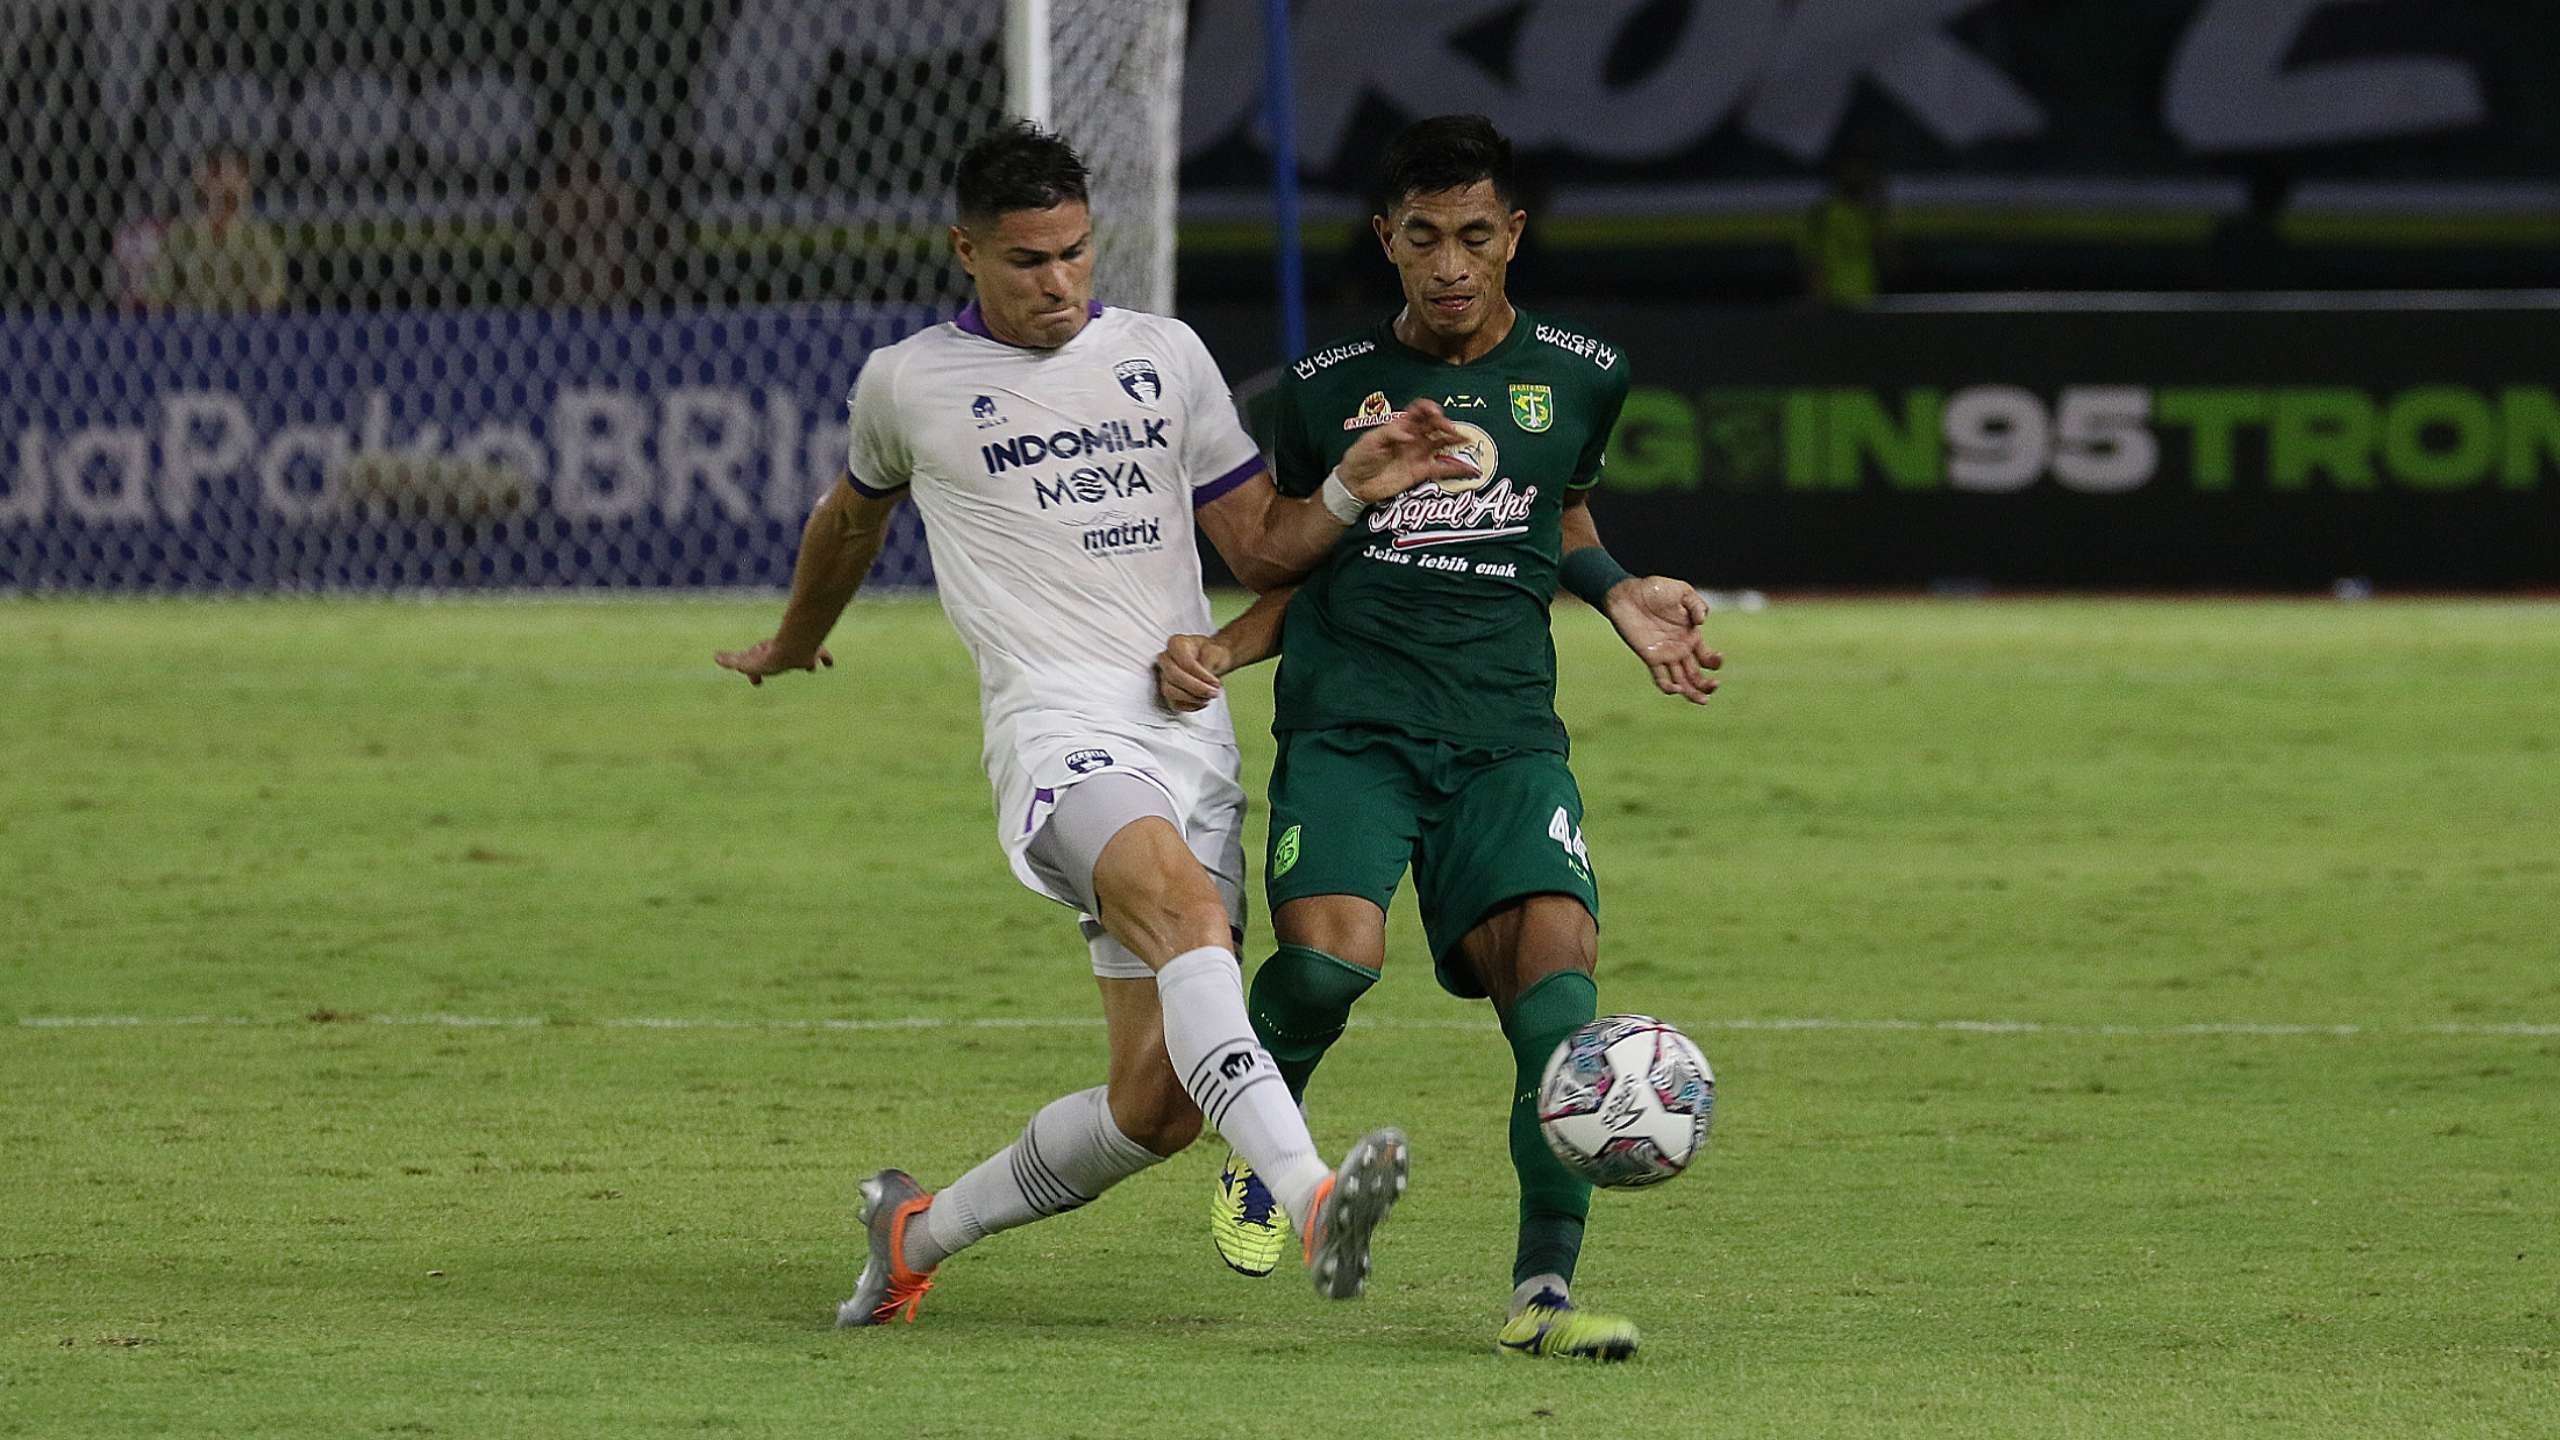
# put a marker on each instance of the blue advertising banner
(491, 448)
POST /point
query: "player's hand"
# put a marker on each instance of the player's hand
(1403, 453)
(766, 658)
(1188, 670)
(1660, 619)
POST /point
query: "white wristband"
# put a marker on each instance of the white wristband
(1338, 500)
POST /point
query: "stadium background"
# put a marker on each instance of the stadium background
(2227, 293)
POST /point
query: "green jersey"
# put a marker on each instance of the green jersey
(1430, 615)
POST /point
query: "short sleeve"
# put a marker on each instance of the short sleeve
(876, 451)
(1296, 468)
(1610, 399)
(1217, 454)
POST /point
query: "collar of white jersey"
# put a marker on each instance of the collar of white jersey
(974, 321)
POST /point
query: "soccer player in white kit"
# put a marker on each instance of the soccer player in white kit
(1061, 453)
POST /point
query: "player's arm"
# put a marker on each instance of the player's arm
(1660, 618)
(1189, 674)
(837, 546)
(1270, 539)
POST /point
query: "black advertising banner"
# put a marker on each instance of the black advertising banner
(2240, 448)
(1683, 91)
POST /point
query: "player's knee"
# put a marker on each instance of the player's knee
(1173, 1131)
(1556, 933)
(1153, 1110)
(1184, 919)
(1342, 926)
(1522, 944)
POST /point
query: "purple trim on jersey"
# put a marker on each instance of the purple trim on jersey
(1204, 494)
(974, 320)
(1042, 796)
(856, 482)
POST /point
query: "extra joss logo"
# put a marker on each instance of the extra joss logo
(1138, 377)
(1373, 411)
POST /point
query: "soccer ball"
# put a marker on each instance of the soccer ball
(1627, 1100)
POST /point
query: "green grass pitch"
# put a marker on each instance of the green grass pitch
(381, 893)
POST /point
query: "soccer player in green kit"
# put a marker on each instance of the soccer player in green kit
(1416, 694)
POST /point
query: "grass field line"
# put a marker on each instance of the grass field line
(1082, 1022)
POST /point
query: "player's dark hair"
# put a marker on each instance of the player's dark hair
(1446, 152)
(1020, 167)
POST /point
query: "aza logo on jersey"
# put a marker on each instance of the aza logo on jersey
(1138, 377)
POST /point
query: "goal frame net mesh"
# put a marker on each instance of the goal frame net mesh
(501, 294)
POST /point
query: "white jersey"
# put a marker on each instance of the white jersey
(1057, 489)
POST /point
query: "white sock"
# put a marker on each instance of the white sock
(1232, 1078)
(1071, 1152)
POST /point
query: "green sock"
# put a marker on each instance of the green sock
(1301, 999)
(1553, 1200)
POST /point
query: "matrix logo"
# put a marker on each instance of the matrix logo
(1124, 537)
(2093, 439)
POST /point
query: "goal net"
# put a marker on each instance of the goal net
(357, 294)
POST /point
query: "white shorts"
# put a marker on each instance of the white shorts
(1197, 769)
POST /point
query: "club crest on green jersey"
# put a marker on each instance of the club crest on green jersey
(1533, 407)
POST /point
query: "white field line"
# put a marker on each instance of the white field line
(1081, 1022)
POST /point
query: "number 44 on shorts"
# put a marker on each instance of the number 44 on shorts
(1564, 832)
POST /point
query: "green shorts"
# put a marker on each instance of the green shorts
(1352, 808)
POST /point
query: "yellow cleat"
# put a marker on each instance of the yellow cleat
(1564, 1331)
(1245, 1222)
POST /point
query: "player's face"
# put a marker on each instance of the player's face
(1453, 248)
(1034, 271)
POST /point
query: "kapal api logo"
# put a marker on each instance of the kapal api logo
(1373, 411)
(1138, 377)
(1425, 516)
(1478, 450)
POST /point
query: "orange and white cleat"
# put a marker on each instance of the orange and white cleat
(1347, 1209)
(890, 1200)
